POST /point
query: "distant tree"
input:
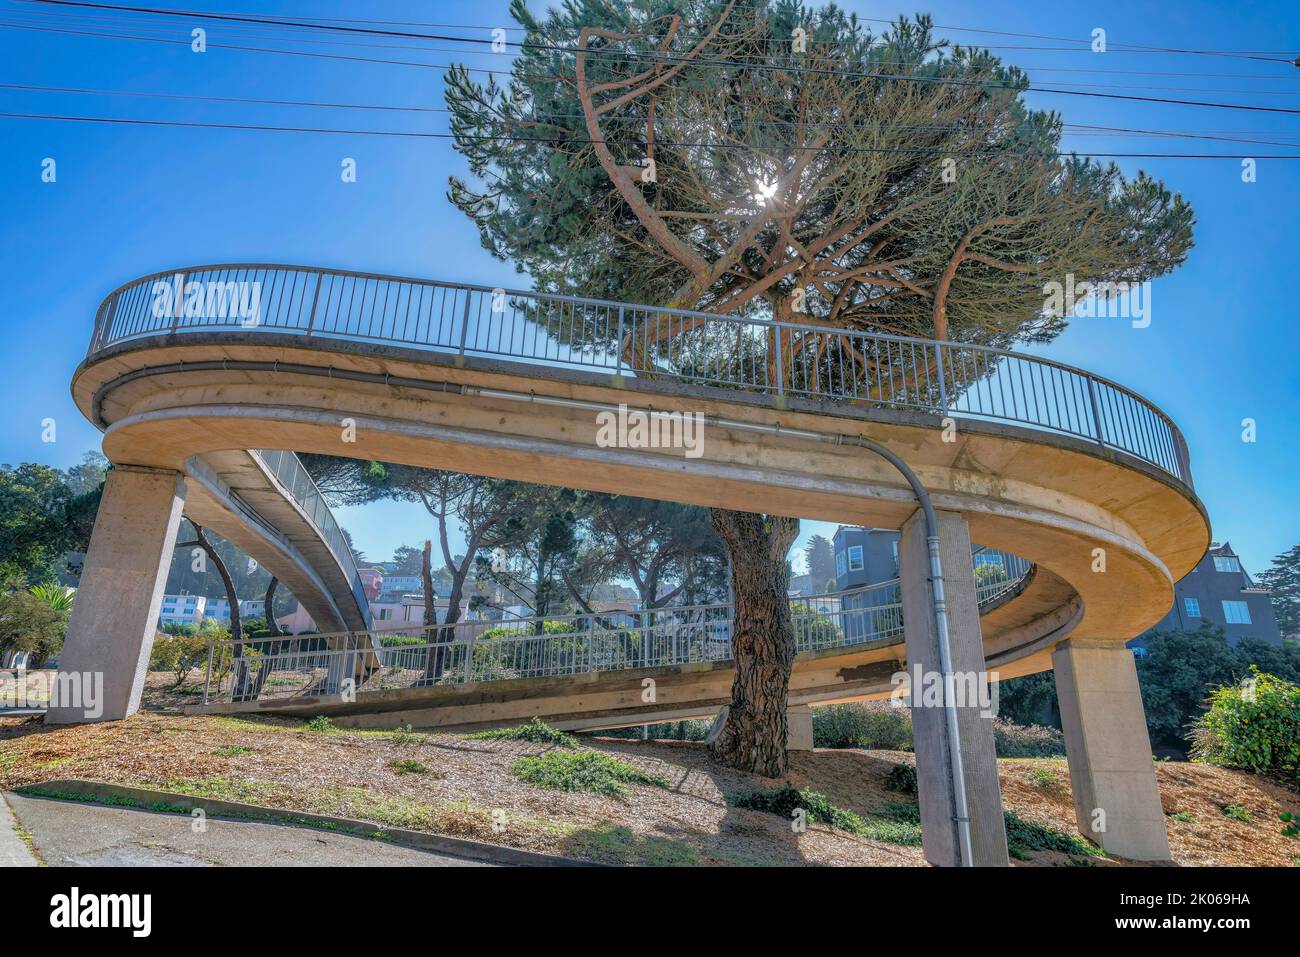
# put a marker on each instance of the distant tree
(1030, 699)
(34, 526)
(666, 550)
(29, 622)
(1177, 673)
(820, 558)
(1284, 580)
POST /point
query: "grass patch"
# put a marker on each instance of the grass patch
(591, 771)
(409, 766)
(1236, 812)
(1045, 778)
(1183, 817)
(536, 731)
(232, 751)
(404, 736)
(611, 844)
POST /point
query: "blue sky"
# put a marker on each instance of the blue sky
(130, 200)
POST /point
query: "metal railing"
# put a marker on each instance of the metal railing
(289, 472)
(733, 352)
(301, 665)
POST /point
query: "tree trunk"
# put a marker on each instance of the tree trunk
(433, 661)
(268, 604)
(753, 735)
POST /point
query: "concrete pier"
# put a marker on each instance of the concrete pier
(115, 614)
(1112, 777)
(939, 834)
(799, 736)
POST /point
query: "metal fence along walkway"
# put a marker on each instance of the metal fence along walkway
(731, 352)
(287, 667)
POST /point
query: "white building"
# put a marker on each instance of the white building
(183, 610)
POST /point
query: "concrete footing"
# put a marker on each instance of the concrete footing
(939, 831)
(115, 615)
(1112, 776)
(799, 736)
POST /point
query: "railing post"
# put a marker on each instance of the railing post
(469, 656)
(780, 363)
(591, 642)
(1096, 411)
(464, 321)
(207, 676)
(618, 344)
(178, 310)
(943, 381)
(311, 316)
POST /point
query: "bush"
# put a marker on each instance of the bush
(1254, 725)
(902, 778)
(874, 724)
(784, 801)
(321, 723)
(1027, 741)
(179, 653)
(592, 771)
(536, 731)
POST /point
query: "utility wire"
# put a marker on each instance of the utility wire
(845, 74)
(585, 140)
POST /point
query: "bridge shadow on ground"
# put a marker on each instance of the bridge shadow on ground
(707, 828)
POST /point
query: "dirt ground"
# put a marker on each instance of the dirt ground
(467, 790)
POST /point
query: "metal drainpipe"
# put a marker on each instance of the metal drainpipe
(962, 817)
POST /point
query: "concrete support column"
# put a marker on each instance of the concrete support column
(939, 834)
(1112, 776)
(115, 614)
(799, 737)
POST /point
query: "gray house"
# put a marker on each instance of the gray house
(864, 556)
(1219, 592)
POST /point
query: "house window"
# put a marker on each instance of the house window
(1236, 613)
(855, 558)
(840, 568)
(1193, 606)
(1225, 563)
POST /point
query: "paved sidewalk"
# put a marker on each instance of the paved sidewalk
(83, 834)
(14, 851)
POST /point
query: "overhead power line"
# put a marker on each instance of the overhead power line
(420, 134)
(847, 74)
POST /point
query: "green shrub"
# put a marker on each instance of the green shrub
(179, 653)
(876, 724)
(1025, 836)
(784, 801)
(1027, 740)
(902, 778)
(1254, 725)
(1236, 812)
(321, 723)
(592, 771)
(1291, 822)
(1045, 778)
(536, 731)
(1183, 817)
